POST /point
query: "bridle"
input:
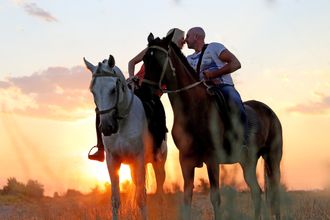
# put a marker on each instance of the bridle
(167, 63)
(115, 107)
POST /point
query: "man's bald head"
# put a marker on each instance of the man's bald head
(195, 38)
(198, 32)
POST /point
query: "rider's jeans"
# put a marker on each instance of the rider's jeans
(234, 100)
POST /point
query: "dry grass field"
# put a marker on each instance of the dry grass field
(235, 205)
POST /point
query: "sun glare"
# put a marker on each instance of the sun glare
(125, 173)
(102, 174)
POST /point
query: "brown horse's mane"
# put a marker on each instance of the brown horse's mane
(184, 60)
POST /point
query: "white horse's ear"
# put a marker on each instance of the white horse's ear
(150, 37)
(90, 66)
(111, 61)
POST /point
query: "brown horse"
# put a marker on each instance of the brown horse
(199, 131)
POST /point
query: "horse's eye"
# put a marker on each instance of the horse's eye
(112, 91)
(151, 53)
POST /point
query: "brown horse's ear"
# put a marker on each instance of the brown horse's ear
(150, 37)
(111, 61)
(169, 37)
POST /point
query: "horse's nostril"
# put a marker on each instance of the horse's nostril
(106, 132)
(109, 129)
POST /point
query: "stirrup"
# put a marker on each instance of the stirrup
(98, 155)
(89, 152)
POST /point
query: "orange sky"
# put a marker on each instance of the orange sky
(47, 127)
(55, 152)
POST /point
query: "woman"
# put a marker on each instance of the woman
(153, 106)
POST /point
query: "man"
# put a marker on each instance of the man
(216, 65)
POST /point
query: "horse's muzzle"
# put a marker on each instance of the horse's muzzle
(109, 126)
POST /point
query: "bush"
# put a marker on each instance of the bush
(31, 189)
(203, 186)
(56, 195)
(14, 187)
(72, 193)
(34, 189)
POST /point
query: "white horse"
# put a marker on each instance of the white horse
(124, 132)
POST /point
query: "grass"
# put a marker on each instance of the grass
(235, 205)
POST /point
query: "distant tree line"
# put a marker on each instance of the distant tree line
(31, 189)
(34, 189)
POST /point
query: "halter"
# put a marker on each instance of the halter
(116, 105)
(168, 62)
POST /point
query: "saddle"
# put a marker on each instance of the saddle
(221, 104)
(233, 132)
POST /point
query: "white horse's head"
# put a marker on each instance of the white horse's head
(108, 86)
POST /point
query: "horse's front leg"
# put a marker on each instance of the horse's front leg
(213, 173)
(188, 172)
(139, 171)
(159, 169)
(113, 168)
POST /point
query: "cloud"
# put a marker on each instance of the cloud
(34, 10)
(56, 93)
(4, 85)
(317, 107)
(17, 2)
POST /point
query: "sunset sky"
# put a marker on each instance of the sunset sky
(47, 112)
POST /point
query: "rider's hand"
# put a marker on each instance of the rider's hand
(207, 74)
(133, 81)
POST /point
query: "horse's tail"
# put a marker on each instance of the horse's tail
(272, 157)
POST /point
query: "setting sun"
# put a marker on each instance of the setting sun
(100, 172)
(125, 173)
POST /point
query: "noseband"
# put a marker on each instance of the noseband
(115, 107)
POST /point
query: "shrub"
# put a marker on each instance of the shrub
(72, 193)
(14, 187)
(203, 186)
(34, 189)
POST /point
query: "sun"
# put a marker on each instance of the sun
(101, 174)
(125, 173)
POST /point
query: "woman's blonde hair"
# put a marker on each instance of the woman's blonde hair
(177, 36)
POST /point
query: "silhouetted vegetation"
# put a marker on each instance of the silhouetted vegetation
(15, 203)
(32, 188)
(73, 193)
(203, 186)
